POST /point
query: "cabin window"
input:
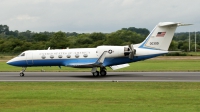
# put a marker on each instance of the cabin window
(68, 56)
(43, 57)
(85, 55)
(51, 56)
(59, 56)
(77, 55)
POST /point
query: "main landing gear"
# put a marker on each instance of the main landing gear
(102, 72)
(21, 74)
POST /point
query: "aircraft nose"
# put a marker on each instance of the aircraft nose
(9, 62)
(12, 62)
(16, 62)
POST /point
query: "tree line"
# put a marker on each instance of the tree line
(16, 42)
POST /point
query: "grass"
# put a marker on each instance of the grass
(5, 58)
(104, 96)
(98, 96)
(142, 66)
(194, 53)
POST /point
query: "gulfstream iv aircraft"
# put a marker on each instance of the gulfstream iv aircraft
(115, 57)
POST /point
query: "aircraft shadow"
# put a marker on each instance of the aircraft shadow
(107, 76)
(89, 76)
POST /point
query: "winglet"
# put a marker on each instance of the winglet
(99, 62)
(101, 58)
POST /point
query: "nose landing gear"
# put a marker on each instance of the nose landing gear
(21, 74)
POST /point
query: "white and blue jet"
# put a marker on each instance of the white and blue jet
(115, 57)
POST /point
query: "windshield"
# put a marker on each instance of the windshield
(22, 54)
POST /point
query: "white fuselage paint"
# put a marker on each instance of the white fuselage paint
(33, 57)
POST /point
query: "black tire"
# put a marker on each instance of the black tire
(21, 74)
(96, 74)
(103, 73)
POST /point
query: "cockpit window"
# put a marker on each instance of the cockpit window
(22, 54)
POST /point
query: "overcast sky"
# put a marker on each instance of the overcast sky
(86, 16)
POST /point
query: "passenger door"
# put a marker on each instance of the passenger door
(29, 58)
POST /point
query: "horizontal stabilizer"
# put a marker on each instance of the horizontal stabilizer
(119, 66)
(184, 24)
(168, 24)
(174, 51)
(172, 23)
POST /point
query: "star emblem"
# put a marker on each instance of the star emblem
(110, 51)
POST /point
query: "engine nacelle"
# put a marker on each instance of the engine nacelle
(116, 51)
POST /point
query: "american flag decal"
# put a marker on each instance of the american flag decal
(161, 34)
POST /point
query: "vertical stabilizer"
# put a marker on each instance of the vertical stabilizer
(160, 37)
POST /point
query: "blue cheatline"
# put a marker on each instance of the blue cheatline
(80, 61)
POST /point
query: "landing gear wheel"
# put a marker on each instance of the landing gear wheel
(96, 74)
(103, 73)
(21, 74)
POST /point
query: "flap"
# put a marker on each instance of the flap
(119, 66)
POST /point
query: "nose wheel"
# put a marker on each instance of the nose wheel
(21, 74)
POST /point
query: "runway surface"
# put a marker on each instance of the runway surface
(111, 76)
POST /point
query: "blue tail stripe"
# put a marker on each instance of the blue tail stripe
(144, 42)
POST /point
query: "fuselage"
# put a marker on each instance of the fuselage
(81, 57)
